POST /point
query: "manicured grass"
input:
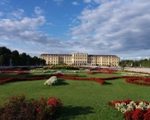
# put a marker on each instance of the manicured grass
(82, 100)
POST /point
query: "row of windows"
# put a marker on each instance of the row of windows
(83, 58)
(80, 55)
(50, 63)
(52, 59)
(79, 62)
(59, 60)
(83, 62)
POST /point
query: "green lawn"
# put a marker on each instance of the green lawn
(82, 100)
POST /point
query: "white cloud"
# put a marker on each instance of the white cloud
(25, 32)
(75, 3)
(118, 26)
(17, 13)
(24, 23)
(16, 26)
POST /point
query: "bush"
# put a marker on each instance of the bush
(19, 108)
(102, 70)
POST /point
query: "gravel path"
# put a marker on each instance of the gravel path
(145, 70)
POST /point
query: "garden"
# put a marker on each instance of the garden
(73, 94)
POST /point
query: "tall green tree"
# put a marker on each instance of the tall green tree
(135, 63)
(8, 58)
(15, 58)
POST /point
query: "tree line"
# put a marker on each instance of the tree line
(135, 63)
(14, 58)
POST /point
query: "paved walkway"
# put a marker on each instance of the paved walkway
(145, 70)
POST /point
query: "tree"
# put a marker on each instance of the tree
(15, 58)
(7, 57)
(2, 60)
(6, 53)
(135, 63)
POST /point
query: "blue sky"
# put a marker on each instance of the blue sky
(118, 27)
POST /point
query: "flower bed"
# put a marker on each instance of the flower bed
(101, 70)
(19, 108)
(75, 77)
(129, 79)
(59, 75)
(30, 78)
(15, 70)
(5, 80)
(139, 110)
(93, 72)
(113, 78)
(138, 80)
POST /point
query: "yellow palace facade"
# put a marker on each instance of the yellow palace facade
(79, 59)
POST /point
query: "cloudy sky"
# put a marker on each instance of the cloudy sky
(120, 27)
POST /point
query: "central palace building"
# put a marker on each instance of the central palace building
(79, 59)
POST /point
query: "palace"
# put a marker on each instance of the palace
(79, 59)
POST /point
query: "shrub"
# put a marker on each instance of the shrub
(19, 108)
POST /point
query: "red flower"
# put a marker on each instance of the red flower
(138, 114)
(128, 115)
(138, 80)
(127, 101)
(38, 110)
(148, 110)
(53, 102)
(147, 115)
